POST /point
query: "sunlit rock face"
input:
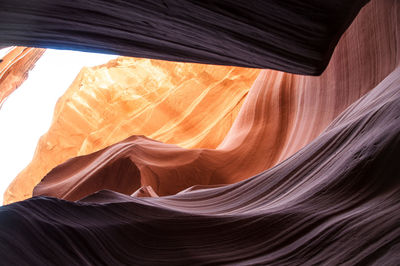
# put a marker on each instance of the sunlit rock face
(191, 105)
(282, 113)
(336, 203)
(334, 200)
(14, 68)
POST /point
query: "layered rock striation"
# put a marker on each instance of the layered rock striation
(334, 202)
(288, 35)
(14, 68)
(313, 162)
(191, 105)
(282, 113)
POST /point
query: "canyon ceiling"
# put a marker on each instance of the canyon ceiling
(274, 139)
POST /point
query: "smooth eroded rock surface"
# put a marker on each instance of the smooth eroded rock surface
(282, 113)
(314, 163)
(288, 35)
(334, 202)
(191, 105)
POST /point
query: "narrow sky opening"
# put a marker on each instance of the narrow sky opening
(27, 112)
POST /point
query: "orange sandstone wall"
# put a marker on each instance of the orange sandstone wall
(282, 113)
(14, 68)
(191, 105)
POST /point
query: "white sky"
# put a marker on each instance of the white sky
(27, 112)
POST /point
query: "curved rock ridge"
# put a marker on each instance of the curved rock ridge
(330, 195)
(282, 113)
(287, 35)
(191, 105)
(14, 68)
(335, 202)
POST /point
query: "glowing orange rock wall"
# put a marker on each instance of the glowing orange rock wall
(14, 68)
(334, 202)
(192, 105)
(282, 113)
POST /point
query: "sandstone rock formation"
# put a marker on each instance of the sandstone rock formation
(191, 105)
(335, 202)
(316, 159)
(282, 113)
(14, 68)
(289, 35)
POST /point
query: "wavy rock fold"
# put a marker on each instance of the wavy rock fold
(294, 36)
(307, 173)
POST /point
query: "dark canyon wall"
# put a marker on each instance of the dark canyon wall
(316, 159)
(293, 36)
(282, 113)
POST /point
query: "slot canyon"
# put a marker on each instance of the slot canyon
(255, 132)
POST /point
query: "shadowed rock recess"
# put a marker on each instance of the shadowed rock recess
(308, 172)
(289, 35)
